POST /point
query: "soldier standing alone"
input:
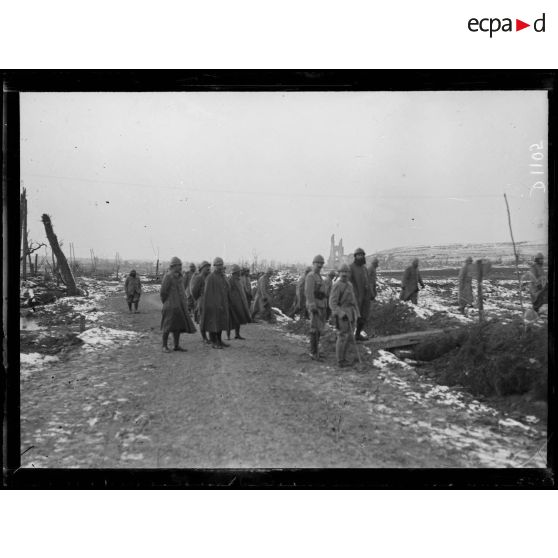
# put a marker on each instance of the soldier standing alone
(345, 312)
(359, 278)
(175, 317)
(410, 282)
(132, 286)
(316, 303)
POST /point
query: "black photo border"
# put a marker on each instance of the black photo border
(16, 81)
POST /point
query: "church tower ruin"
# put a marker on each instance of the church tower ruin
(336, 253)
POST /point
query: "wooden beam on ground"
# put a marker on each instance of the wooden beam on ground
(402, 339)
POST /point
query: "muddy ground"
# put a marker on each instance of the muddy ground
(108, 397)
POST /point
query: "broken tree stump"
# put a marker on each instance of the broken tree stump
(64, 268)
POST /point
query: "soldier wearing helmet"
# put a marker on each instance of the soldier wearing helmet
(373, 278)
(358, 277)
(240, 310)
(410, 282)
(175, 317)
(187, 280)
(345, 313)
(316, 303)
(216, 305)
(197, 286)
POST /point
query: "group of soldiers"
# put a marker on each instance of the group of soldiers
(219, 303)
(216, 302)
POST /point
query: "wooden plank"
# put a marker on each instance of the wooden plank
(402, 339)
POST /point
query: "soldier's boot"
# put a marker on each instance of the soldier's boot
(313, 346)
(165, 341)
(358, 335)
(340, 349)
(319, 356)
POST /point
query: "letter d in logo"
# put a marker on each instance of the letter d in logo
(538, 26)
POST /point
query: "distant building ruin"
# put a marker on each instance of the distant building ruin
(336, 254)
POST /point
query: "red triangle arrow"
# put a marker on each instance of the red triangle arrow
(519, 25)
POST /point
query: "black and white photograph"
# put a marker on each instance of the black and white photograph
(324, 279)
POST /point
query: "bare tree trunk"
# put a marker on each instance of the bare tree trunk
(23, 216)
(65, 271)
(36, 264)
(516, 255)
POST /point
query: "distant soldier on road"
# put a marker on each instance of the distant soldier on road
(240, 310)
(465, 280)
(175, 316)
(132, 286)
(331, 275)
(187, 280)
(344, 307)
(538, 284)
(358, 276)
(316, 303)
(410, 282)
(197, 286)
(262, 299)
(373, 278)
(215, 316)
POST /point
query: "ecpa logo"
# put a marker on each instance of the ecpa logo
(492, 25)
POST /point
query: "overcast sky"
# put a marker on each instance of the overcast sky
(200, 175)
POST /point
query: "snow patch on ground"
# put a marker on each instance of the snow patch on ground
(386, 360)
(100, 337)
(31, 362)
(280, 317)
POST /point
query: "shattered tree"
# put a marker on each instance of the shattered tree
(64, 268)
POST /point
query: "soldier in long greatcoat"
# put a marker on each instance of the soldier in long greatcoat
(344, 308)
(197, 285)
(465, 285)
(175, 317)
(316, 303)
(262, 298)
(373, 278)
(410, 282)
(187, 280)
(358, 276)
(132, 286)
(216, 305)
(240, 310)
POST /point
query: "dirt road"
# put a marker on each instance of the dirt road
(260, 403)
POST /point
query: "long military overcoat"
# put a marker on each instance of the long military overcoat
(359, 279)
(342, 302)
(240, 310)
(410, 282)
(175, 315)
(132, 286)
(215, 315)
